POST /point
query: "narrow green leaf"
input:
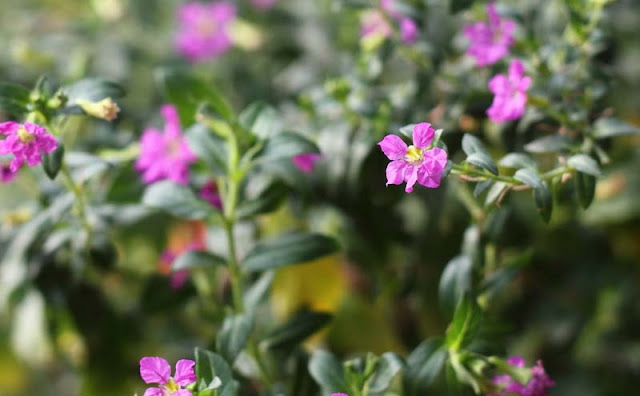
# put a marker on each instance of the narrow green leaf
(423, 366)
(233, 336)
(456, 6)
(407, 130)
(285, 145)
(261, 120)
(258, 291)
(471, 145)
(296, 330)
(465, 323)
(268, 201)
(93, 90)
(585, 188)
(178, 200)
(210, 365)
(52, 162)
(14, 92)
(548, 144)
(388, 366)
(327, 371)
(483, 161)
(517, 161)
(585, 164)
(481, 187)
(455, 281)
(544, 201)
(610, 127)
(10, 106)
(197, 259)
(528, 177)
(208, 147)
(289, 249)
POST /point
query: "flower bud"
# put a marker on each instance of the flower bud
(105, 109)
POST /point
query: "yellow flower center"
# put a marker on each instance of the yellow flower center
(171, 386)
(25, 136)
(414, 155)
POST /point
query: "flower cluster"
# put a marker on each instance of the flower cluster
(510, 98)
(537, 386)
(416, 163)
(375, 25)
(156, 370)
(27, 142)
(408, 28)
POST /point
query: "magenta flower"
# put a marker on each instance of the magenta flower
(537, 385)
(6, 174)
(374, 25)
(490, 41)
(510, 98)
(27, 143)
(306, 162)
(416, 163)
(263, 4)
(211, 194)
(409, 31)
(203, 29)
(165, 155)
(156, 370)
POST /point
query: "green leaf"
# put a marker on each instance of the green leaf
(544, 201)
(327, 371)
(585, 188)
(483, 161)
(12, 107)
(52, 162)
(528, 177)
(187, 91)
(208, 147)
(289, 249)
(267, 201)
(210, 365)
(610, 127)
(548, 144)
(178, 200)
(518, 161)
(455, 281)
(233, 336)
(285, 146)
(407, 130)
(93, 90)
(471, 145)
(585, 164)
(481, 187)
(258, 291)
(14, 98)
(423, 366)
(197, 259)
(495, 192)
(388, 366)
(456, 6)
(261, 120)
(296, 330)
(465, 323)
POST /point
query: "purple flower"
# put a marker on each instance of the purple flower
(263, 4)
(6, 174)
(416, 163)
(537, 385)
(490, 41)
(211, 194)
(202, 32)
(306, 162)
(165, 155)
(409, 31)
(156, 370)
(26, 142)
(510, 94)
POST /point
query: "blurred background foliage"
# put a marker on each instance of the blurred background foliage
(572, 293)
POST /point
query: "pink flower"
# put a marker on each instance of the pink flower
(510, 94)
(537, 385)
(409, 31)
(490, 41)
(306, 162)
(416, 163)
(389, 7)
(165, 155)
(211, 194)
(183, 237)
(26, 142)
(202, 32)
(263, 4)
(375, 25)
(156, 370)
(6, 174)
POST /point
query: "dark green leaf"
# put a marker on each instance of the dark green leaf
(456, 6)
(258, 291)
(261, 120)
(387, 367)
(544, 201)
(233, 336)
(528, 177)
(585, 188)
(465, 323)
(289, 249)
(296, 330)
(53, 161)
(197, 259)
(548, 144)
(517, 161)
(93, 90)
(178, 200)
(14, 92)
(471, 145)
(455, 281)
(208, 147)
(423, 366)
(285, 146)
(494, 193)
(327, 371)
(611, 127)
(481, 187)
(12, 107)
(483, 161)
(585, 164)
(268, 201)
(210, 365)
(407, 130)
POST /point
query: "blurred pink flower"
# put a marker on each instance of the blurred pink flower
(374, 23)
(183, 237)
(211, 194)
(389, 7)
(409, 31)
(416, 163)
(165, 155)
(27, 142)
(306, 162)
(156, 370)
(537, 385)
(202, 32)
(263, 4)
(510, 98)
(490, 41)
(6, 174)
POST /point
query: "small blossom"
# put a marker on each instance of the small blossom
(165, 155)
(263, 4)
(374, 27)
(211, 194)
(417, 163)
(490, 41)
(510, 97)
(537, 385)
(6, 174)
(306, 162)
(27, 143)
(105, 109)
(409, 31)
(183, 237)
(156, 370)
(203, 29)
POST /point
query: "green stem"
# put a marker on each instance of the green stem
(468, 200)
(80, 202)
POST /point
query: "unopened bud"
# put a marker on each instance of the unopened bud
(105, 109)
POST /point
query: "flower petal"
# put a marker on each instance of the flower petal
(517, 361)
(422, 135)
(153, 392)
(184, 372)
(499, 85)
(154, 370)
(393, 147)
(395, 172)
(306, 162)
(410, 176)
(182, 392)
